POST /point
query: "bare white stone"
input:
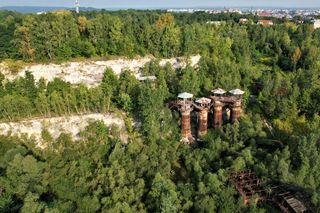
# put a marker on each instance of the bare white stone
(91, 73)
(72, 125)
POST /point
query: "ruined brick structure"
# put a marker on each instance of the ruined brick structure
(203, 106)
(185, 106)
(223, 100)
(217, 104)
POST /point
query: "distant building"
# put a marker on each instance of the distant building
(215, 11)
(316, 24)
(243, 21)
(264, 14)
(265, 22)
(232, 10)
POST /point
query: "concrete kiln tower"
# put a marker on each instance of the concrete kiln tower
(185, 106)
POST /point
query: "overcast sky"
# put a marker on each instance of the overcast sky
(163, 3)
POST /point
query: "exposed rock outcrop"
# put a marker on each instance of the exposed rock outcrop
(57, 125)
(90, 73)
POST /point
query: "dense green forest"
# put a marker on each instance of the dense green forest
(278, 67)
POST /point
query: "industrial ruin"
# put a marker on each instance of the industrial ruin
(219, 105)
(251, 189)
(248, 186)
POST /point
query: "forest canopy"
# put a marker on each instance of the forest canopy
(277, 136)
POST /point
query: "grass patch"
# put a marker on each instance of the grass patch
(14, 66)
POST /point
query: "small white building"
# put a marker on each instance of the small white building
(316, 24)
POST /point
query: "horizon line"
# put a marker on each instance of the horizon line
(173, 7)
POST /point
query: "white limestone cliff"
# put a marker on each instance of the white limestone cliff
(90, 73)
(72, 125)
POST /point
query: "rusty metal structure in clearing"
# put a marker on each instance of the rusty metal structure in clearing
(248, 186)
(217, 104)
(251, 189)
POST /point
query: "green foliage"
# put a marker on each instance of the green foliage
(277, 136)
(31, 204)
(24, 98)
(24, 175)
(189, 81)
(163, 196)
(14, 66)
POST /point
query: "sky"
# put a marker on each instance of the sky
(164, 3)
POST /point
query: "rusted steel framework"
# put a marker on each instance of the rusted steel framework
(248, 186)
(287, 202)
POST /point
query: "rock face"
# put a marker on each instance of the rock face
(57, 125)
(90, 73)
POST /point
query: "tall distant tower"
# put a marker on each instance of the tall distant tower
(77, 5)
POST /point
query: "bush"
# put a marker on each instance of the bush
(14, 66)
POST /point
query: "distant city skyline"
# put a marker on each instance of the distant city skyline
(165, 3)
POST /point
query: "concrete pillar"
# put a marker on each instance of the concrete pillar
(217, 115)
(186, 125)
(235, 111)
(202, 122)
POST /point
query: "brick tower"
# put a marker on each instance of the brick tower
(203, 105)
(236, 107)
(223, 100)
(185, 106)
(217, 98)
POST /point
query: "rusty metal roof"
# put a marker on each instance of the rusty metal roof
(295, 204)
